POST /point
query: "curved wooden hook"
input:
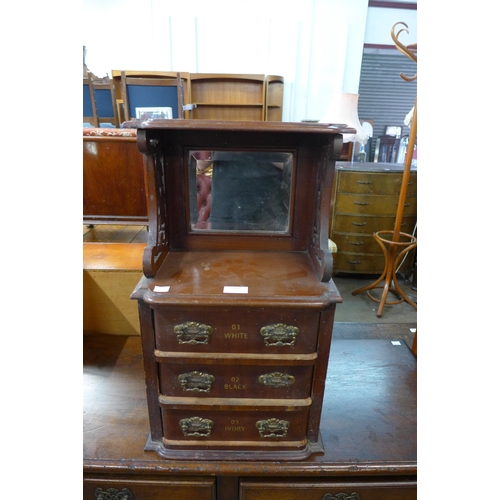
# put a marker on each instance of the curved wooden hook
(410, 50)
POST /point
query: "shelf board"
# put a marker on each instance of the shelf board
(256, 104)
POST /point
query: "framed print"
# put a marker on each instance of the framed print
(153, 113)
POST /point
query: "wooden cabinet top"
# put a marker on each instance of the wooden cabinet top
(372, 167)
(247, 126)
(248, 278)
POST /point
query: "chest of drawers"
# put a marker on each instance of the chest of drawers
(236, 310)
(365, 201)
(245, 372)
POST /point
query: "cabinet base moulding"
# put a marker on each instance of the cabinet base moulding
(184, 451)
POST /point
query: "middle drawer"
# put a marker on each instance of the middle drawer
(227, 376)
(347, 203)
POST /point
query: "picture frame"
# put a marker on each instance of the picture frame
(153, 113)
(394, 130)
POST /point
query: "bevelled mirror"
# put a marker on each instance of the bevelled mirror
(240, 191)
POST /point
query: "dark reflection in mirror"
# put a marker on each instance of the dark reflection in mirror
(240, 191)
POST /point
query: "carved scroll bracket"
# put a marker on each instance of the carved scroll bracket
(157, 247)
(322, 256)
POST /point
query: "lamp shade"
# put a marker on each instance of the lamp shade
(343, 109)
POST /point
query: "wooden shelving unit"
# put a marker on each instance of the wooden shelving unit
(220, 96)
(274, 98)
(228, 96)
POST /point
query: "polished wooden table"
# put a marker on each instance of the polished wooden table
(368, 428)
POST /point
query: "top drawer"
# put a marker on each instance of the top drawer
(237, 329)
(373, 183)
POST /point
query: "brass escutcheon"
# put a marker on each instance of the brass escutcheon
(279, 334)
(113, 494)
(196, 381)
(196, 426)
(192, 332)
(272, 428)
(277, 379)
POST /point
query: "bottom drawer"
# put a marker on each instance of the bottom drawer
(148, 489)
(328, 490)
(235, 428)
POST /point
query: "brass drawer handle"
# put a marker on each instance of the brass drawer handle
(358, 223)
(196, 426)
(364, 182)
(342, 496)
(362, 203)
(356, 243)
(113, 494)
(279, 334)
(272, 428)
(196, 381)
(354, 261)
(277, 379)
(193, 333)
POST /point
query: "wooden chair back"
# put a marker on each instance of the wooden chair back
(152, 92)
(105, 101)
(89, 105)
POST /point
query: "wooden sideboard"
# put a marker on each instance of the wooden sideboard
(368, 426)
(114, 189)
(365, 201)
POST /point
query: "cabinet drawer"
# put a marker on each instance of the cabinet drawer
(373, 204)
(359, 243)
(148, 489)
(327, 490)
(365, 263)
(231, 330)
(235, 426)
(374, 183)
(368, 224)
(233, 378)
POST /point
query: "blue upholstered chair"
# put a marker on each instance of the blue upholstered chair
(158, 92)
(105, 102)
(89, 106)
(99, 102)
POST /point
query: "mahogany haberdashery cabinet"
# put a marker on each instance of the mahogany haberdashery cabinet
(237, 301)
